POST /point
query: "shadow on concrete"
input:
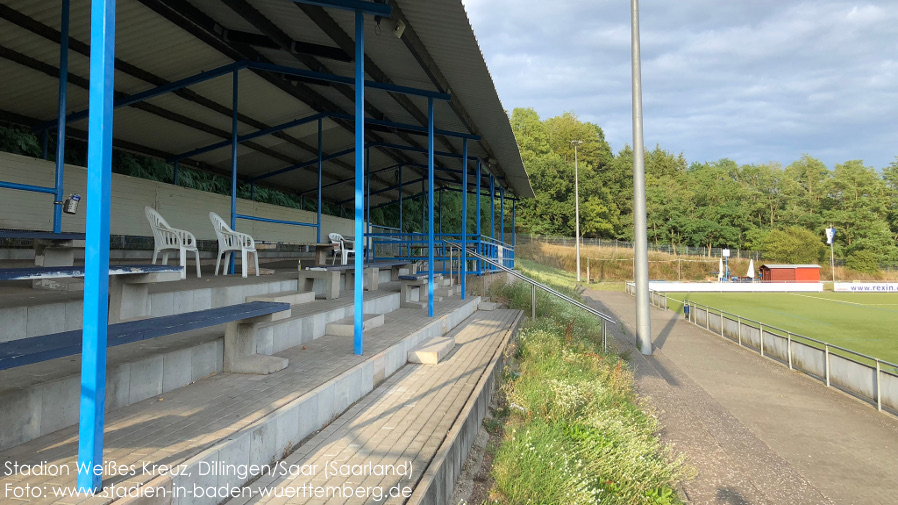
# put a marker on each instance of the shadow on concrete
(729, 496)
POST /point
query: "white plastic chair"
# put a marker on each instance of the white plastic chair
(230, 240)
(168, 239)
(340, 246)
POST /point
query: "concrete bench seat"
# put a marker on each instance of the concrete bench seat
(411, 283)
(239, 337)
(396, 267)
(331, 276)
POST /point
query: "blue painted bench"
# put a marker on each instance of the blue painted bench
(239, 336)
(128, 285)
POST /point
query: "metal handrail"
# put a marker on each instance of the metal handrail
(534, 284)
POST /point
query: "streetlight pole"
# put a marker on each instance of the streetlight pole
(576, 143)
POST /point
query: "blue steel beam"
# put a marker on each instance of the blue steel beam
(249, 136)
(154, 92)
(358, 294)
(96, 247)
(464, 217)
(430, 210)
(60, 115)
(400, 147)
(339, 79)
(492, 207)
(359, 6)
(301, 165)
(27, 187)
(401, 229)
(409, 127)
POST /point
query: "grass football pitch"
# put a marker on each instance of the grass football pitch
(863, 322)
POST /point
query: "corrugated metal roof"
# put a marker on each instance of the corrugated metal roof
(156, 38)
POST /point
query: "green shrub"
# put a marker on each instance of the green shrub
(863, 261)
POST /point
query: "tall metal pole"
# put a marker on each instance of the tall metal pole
(577, 205)
(641, 257)
(318, 209)
(401, 229)
(234, 117)
(96, 246)
(477, 215)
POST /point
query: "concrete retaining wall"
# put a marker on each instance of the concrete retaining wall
(182, 208)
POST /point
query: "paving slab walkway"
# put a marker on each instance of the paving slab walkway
(169, 429)
(386, 440)
(757, 432)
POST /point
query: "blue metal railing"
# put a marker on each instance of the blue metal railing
(413, 247)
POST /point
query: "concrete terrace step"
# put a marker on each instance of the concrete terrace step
(346, 327)
(235, 418)
(446, 291)
(291, 297)
(488, 306)
(421, 419)
(431, 352)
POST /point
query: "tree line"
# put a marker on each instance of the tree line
(781, 211)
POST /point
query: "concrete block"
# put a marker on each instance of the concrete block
(346, 391)
(60, 404)
(291, 297)
(326, 411)
(202, 299)
(13, 320)
(345, 327)
(45, 319)
(176, 369)
(236, 452)
(162, 304)
(146, 379)
(262, 444)
(286, 427)
(20, 417)
(183, 301)
(264, 342)
(240, 351)
(192, 479)
(366, 379)
(74, 315)
(307, 417)
(118, 385)
(378, 372)
(204, 360)
(432, 351)
(487, 306)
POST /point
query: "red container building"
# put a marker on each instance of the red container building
(790, 273)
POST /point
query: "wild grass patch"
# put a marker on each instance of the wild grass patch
(575, 432)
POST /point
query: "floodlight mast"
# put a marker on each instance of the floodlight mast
(641, 257)
(576, 143)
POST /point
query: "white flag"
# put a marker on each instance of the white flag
(720, 269)
(751, 269)
(830, 235)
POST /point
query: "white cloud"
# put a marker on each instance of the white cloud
(756, 81)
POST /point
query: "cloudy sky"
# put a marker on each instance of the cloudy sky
(750, 80)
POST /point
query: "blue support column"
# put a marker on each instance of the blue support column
(358, 294)
(477, 211)
(430, 255)
(367, 202)
(513, 232)
(252, 193)
(401, 229)
(464, 216)
(235, 102)
(492, 206)
(60, 128)
(96, 247)
(320, 166)
(175, 181)
(501, 214)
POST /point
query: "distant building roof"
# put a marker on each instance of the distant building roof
(790, 266)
